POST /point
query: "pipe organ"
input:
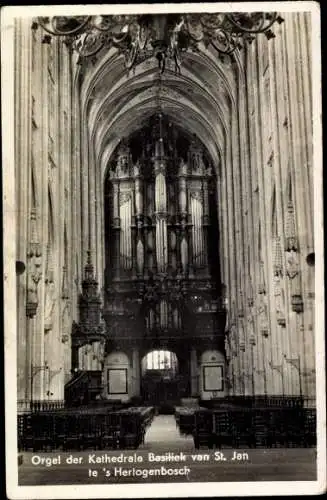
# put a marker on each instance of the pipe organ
(159, 189)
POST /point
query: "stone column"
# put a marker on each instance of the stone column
(206, 222)
(22, 172)
(182, 246)
(145, 249)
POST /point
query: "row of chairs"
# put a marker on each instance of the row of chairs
(70, 431)
(261, 401)
(185, 419)
(254, 428)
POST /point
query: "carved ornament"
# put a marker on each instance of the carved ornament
(292, 264)
(124, 198)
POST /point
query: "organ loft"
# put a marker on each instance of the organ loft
(162, 280)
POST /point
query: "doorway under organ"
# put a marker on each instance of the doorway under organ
(160, 379)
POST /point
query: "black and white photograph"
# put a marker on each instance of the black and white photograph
(163, 221)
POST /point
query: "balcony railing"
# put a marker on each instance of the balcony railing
(26, 406)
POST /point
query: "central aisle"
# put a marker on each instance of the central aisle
(164, 434)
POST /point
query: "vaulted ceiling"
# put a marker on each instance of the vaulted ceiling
(115, 103)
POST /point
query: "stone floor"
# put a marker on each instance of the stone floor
(164, 433)
(166, 456)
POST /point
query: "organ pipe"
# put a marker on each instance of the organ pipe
(182, 187)
(139, 220)
(205, 218)
(161, 208)
(142, 246)
(116, 230)
(115, 200)
(184, 253)
(140, 257)
(183, 216)
(197, 228)
(138, 190)
(125, 231)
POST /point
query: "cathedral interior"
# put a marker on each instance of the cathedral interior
(164, 194)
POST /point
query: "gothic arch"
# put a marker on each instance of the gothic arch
(113, 103)
(117, 89)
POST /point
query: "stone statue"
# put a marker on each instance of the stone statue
(227, 347)
(279, 301)
(182, 167)
(49, 305)
(137, 168)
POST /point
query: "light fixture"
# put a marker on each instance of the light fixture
(163, 36)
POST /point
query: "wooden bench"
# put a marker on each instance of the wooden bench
(293, 426)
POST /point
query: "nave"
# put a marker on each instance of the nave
(164, 434)
(163, 233)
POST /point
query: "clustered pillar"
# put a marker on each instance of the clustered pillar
(271, 349)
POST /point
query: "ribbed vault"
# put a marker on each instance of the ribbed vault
(115, 104)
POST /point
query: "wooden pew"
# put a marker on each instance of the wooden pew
(292, 426)
(202, 434)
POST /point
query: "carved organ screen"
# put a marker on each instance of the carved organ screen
(160, 204)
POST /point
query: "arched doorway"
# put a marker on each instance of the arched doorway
(160, 378)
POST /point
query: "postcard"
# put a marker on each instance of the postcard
(163, 219)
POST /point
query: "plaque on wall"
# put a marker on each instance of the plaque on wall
(213, 378)
(117, 381)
